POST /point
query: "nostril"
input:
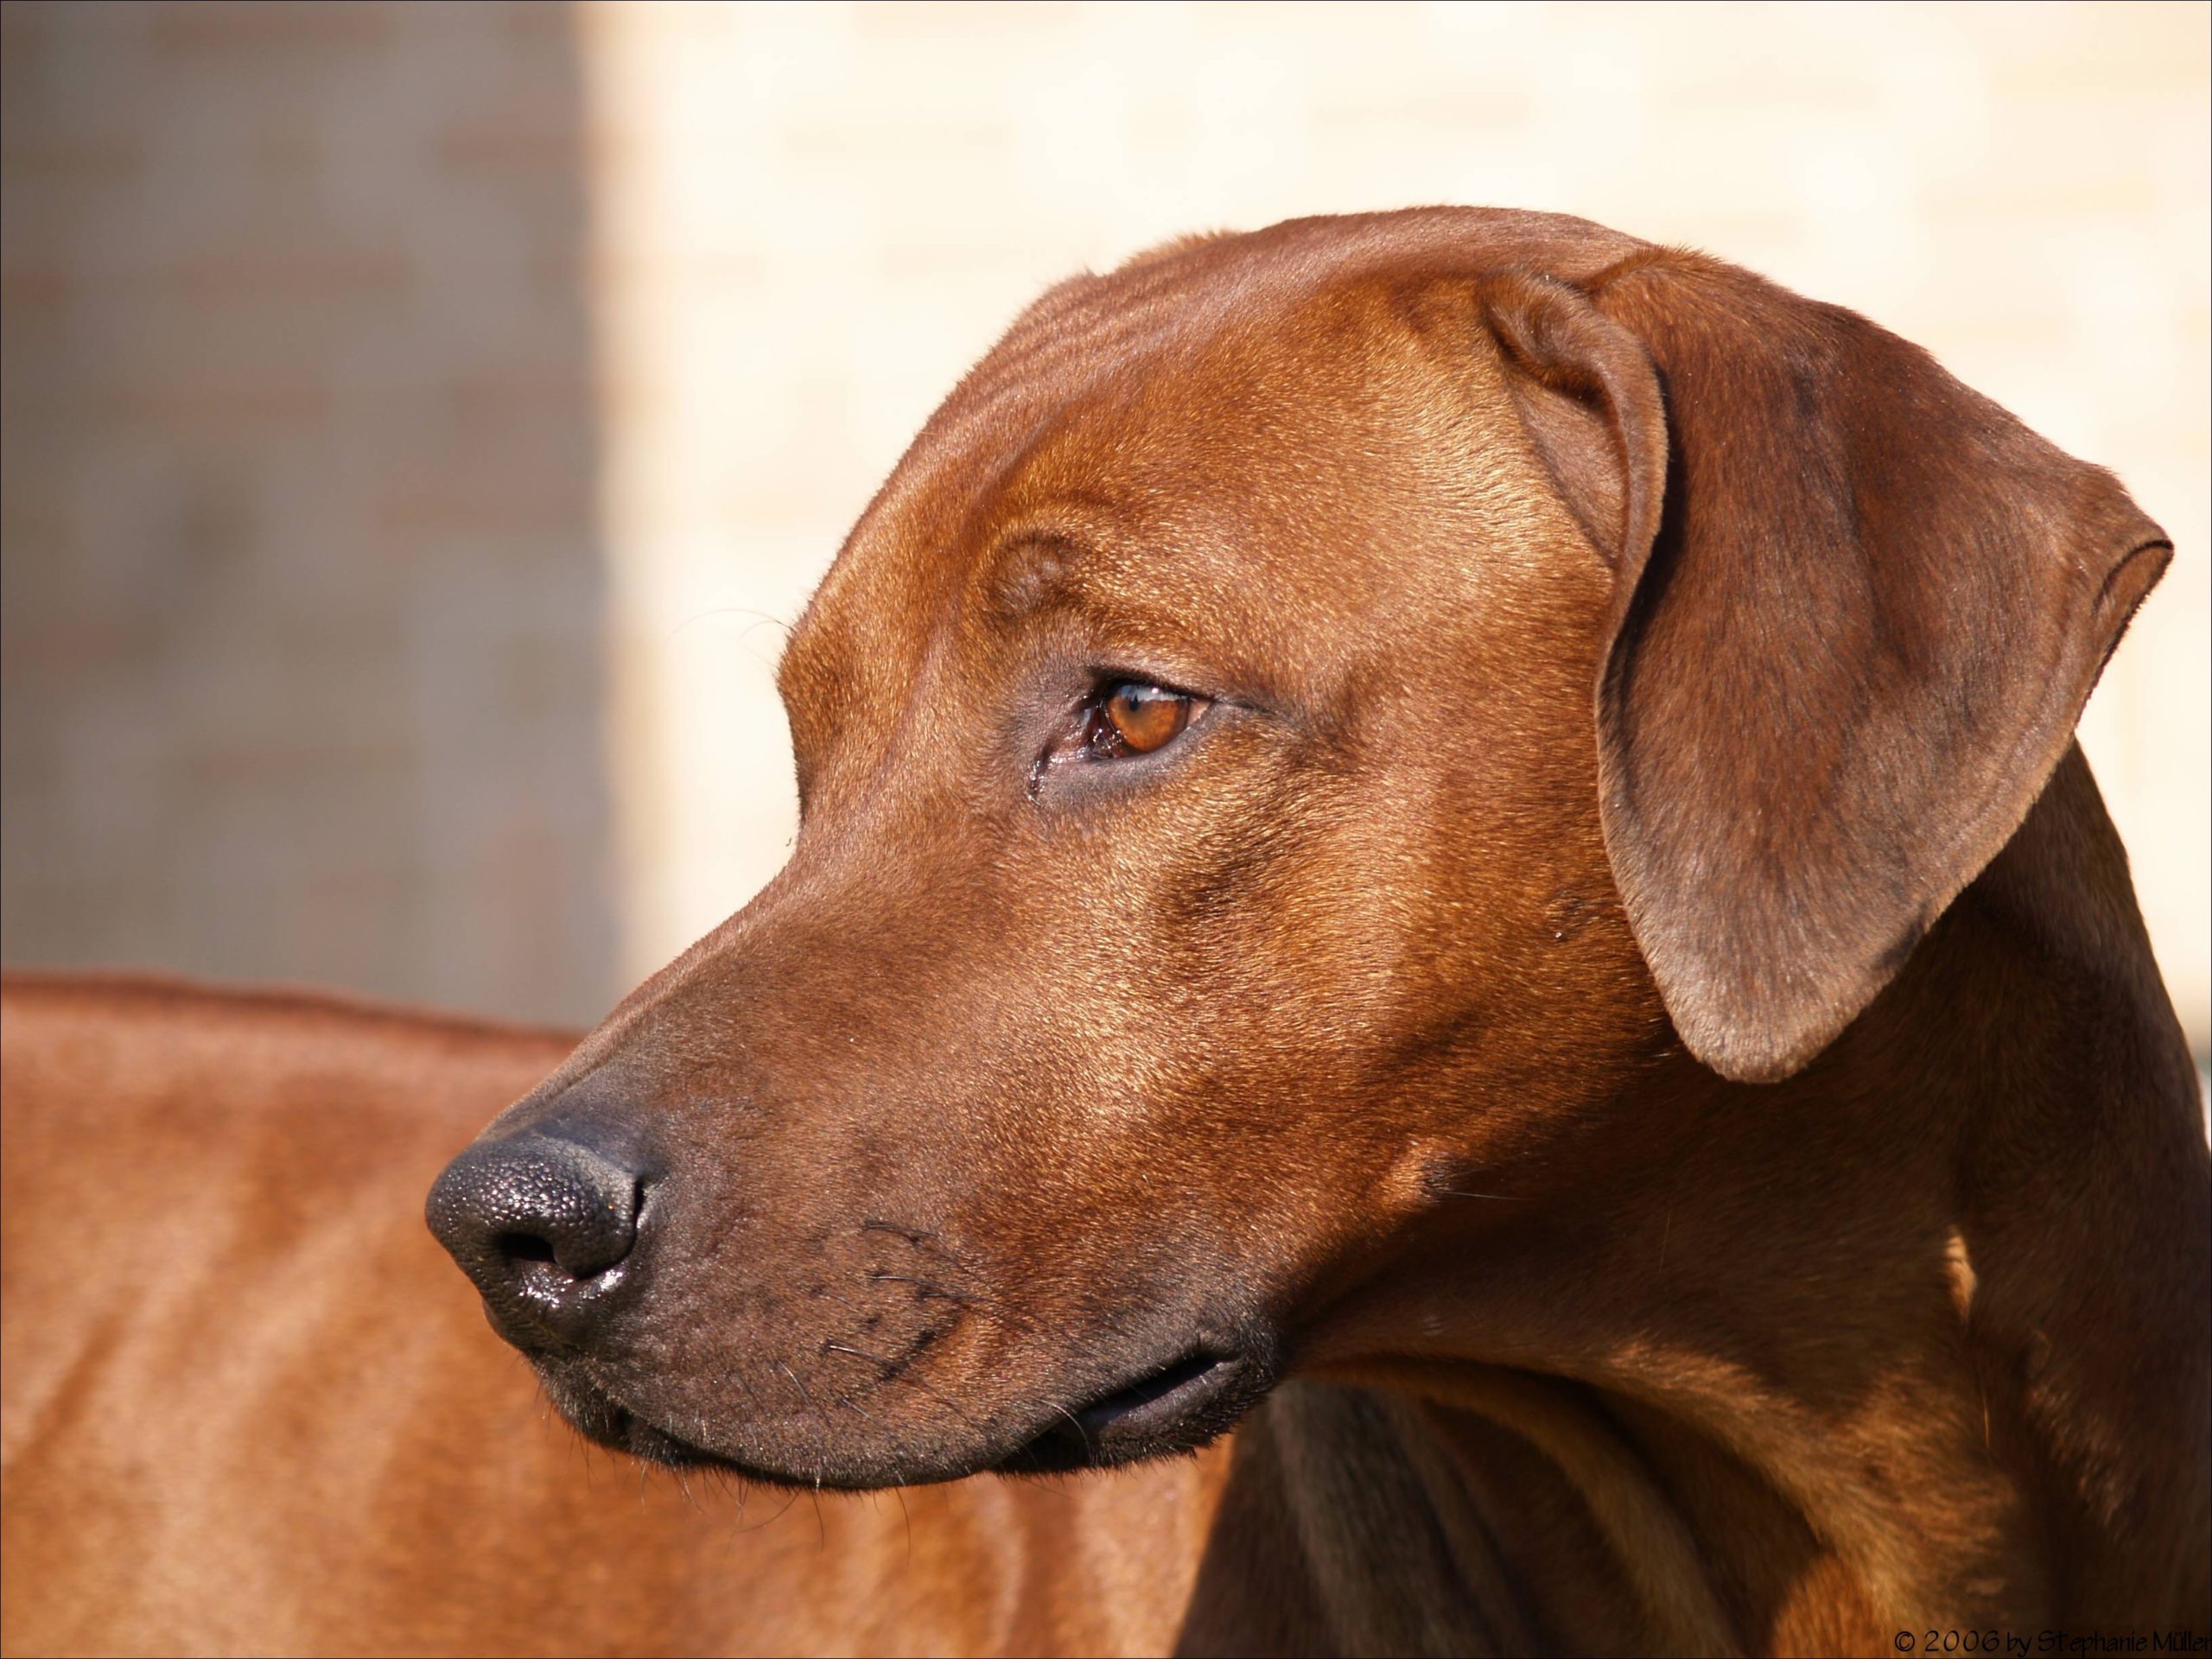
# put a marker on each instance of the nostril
(524, 1246)
(576, 1253)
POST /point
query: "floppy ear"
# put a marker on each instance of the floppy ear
(1858, 608)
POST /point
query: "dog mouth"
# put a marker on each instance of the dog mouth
(1174, 1408)
(1171, 1409)
(1172, 1392)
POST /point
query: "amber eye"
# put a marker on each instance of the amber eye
(1136, 717)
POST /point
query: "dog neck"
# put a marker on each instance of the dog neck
(1916, 1339)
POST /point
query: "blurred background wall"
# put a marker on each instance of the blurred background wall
(421, 421)
(302, 593)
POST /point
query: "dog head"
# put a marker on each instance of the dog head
(1311, 718)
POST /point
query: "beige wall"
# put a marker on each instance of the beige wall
(369, 373)
(810, 219)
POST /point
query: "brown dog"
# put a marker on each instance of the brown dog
(1716, 1150)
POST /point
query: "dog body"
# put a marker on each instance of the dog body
(1447, 836)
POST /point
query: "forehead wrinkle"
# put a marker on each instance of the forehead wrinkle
(888, 620)
(935, 498)
(1047, 543)
(1027, 572)
(1088, 345)
(1051, 507)
(1111, 558)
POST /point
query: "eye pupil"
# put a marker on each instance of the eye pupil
(1145, 717)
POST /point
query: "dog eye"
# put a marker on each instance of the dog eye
(1136, 717)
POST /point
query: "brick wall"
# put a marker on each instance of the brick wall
(302, 599)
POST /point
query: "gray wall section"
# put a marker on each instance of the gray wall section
(301, 602)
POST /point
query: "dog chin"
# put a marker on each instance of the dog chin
(604, 1420)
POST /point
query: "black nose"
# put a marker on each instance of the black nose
(541, 1223)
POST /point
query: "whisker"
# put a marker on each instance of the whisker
(1455, 1192)
(790, 1500)
(911, 1234)
(822, 1427)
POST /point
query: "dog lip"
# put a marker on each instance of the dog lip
(1159, 1399)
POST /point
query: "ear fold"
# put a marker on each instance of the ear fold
(1857, 611)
